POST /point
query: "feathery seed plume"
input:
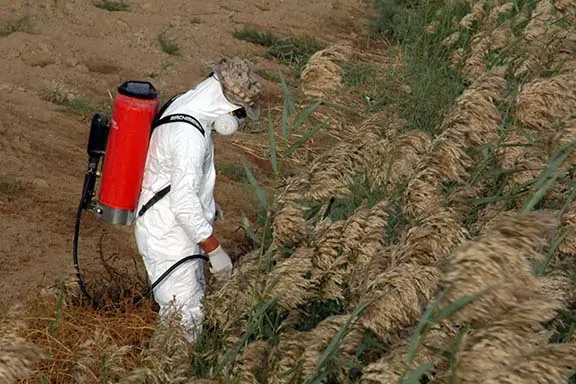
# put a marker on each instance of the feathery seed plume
(496, 260)
(401, 293)
(322, 74)
(18, 356)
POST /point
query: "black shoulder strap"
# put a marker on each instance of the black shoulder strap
(180, 118)
(160, 194)
(177, 117)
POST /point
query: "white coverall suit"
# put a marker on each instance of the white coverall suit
(172, 228)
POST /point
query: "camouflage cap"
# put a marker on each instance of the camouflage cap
(239, 84)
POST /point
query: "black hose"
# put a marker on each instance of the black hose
(163, 276)
(88, 179)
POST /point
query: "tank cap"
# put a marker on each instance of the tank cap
(138, 89)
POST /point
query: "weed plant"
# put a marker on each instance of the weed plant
(292, 50)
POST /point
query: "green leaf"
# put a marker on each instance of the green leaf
(568, 201)
(424, 320)
(495, 199)
(539, 268)
(458, 304)
(455, 344)
(257, 189)
(271, 133)
(305, 115)
(515, 192)
(339, 106)
(546, 178)
(294, 147)
(249, 230)
(286, 94)
(337, 339)
(59, 305)
(415, 375)
(332, 347)
(536, 197)
(257, 313)
(288, 107)
(284, 123)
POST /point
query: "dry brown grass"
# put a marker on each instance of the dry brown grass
(297, 354)
(548, 39)
(167, 356)
(320, 337)
(484, 43)
(476, 14)
(568, 221)
(507, 340)
(85, 344)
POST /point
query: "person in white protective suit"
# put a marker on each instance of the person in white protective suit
(181, 223)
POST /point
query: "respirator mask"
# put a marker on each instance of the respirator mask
(228, 124)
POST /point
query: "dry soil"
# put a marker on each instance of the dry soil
(53, 50)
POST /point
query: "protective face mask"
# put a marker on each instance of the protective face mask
(227, 124)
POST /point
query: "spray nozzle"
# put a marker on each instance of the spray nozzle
(97, 141)
(98, 138)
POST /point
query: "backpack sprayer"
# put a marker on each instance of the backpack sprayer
(120, 146)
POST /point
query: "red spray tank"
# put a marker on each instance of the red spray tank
(134, 108)
(119, 144)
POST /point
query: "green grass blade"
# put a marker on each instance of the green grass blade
(569, 334)
(458, 304)
(568, 201)
(249, 230)
(337, 339)
(499, 198)
(59, 304)
(453, 359)
(284, 123)
(540, 268)
(339, 106)
(258, 312)
(257, 189)
(415, 375)
(539, 195)
(424, 320)
(305, 115)
(294, 147)
(272, 144)
(289, 106)
(545, 180)
(332, 347)
(429, 317)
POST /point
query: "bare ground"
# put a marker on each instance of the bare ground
(70, 50)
